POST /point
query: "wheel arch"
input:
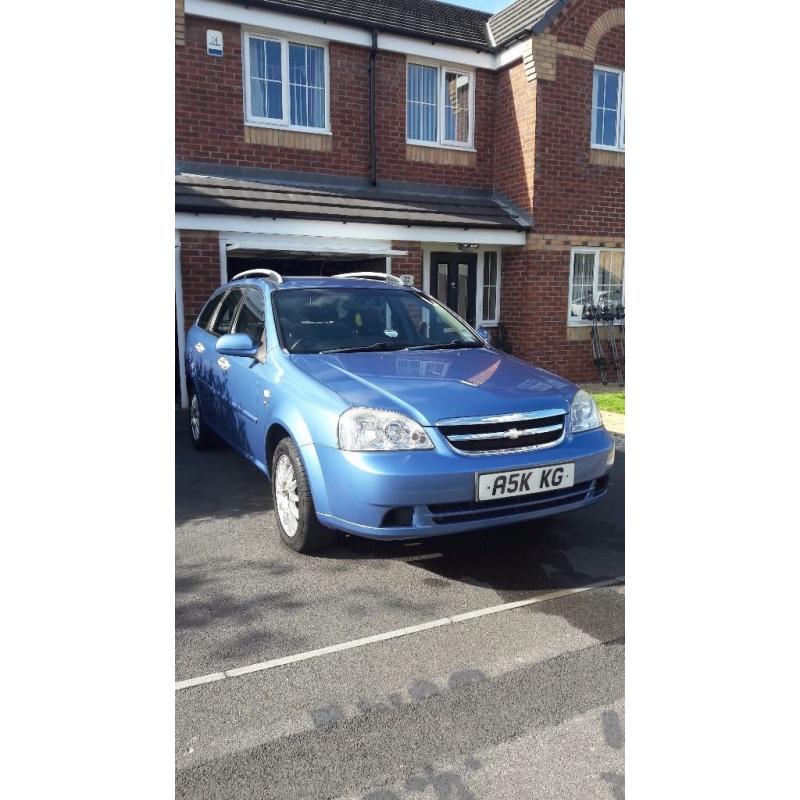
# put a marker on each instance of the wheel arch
(279, 430)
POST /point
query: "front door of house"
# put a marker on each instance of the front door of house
(453, 281)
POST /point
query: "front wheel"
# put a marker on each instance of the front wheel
(294, 507)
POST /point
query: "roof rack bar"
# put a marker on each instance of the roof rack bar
(380, 275)
(270, 274)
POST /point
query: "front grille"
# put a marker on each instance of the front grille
(473, 511)
(509, 432)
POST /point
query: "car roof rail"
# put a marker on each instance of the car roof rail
(269, 274)
(385, 276)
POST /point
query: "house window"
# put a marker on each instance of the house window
(439, 103)
(490, 288)
(608, 109)
(285, 83)
(597, 277)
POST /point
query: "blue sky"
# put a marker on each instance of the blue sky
(483, 5)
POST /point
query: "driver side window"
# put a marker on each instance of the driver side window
(251, 316)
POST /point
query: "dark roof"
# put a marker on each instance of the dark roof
(263, 193)
(428, 19)
(521, 17)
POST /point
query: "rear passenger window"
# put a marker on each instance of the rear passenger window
(208, 311)
(251, 316)
(224, 320)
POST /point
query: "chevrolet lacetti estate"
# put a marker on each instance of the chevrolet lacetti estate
(374, 409)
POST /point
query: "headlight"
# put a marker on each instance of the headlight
(371, 429)
(584, 414)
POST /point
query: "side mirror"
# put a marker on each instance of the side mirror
(484, 334)
(236, 344)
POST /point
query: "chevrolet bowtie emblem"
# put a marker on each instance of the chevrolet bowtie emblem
(514, 433)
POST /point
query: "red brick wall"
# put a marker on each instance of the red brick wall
(392, 162)
(199, 271)
(573, 25)
(209, 108)
(611, 50)
(515, 125)
(572, 196)
(410, 264)
(534, 312)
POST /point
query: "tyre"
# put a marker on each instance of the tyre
(298, 525)
(203, 437)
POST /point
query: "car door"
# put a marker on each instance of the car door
(200, 354)
(246, 380)
(218, 365)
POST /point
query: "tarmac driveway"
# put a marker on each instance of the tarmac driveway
(521, 702)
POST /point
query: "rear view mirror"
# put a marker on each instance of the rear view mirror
(237, 344)
(484, 334)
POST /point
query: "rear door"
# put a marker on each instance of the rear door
(200, 352)
(246, 381)
(218, 365)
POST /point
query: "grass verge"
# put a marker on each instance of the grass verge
(610, 401)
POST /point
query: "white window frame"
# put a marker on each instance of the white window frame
(578, 323)
(441, 142)
(487, 319)
(619, 147)
(284, 41)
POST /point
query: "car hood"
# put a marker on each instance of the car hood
(431, 385)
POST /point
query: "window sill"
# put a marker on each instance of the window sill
(441, 146)
(485, 324)
(585, 324)
(287, 137)
(254, 123)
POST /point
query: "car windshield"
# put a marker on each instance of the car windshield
(340, 320)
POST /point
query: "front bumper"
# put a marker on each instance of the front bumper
(408, 495)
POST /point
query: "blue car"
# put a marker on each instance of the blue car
(374, 409)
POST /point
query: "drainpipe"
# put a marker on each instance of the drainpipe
(373, 147)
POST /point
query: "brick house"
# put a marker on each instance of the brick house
(482, 156)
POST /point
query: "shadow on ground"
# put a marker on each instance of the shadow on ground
(216, 483)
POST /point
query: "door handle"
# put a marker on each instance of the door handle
(199, 347)
(223, 362)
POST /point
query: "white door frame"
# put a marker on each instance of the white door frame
(179, 321)
(444, 247)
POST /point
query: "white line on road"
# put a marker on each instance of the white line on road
(382, 637)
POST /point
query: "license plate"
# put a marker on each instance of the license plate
(494, 485)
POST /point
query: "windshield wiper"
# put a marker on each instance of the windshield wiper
(451, 345)
(365, 348)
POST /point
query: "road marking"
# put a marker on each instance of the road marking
(396, 634)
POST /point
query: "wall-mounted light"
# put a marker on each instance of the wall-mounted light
(468, 246)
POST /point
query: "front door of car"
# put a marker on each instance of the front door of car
(246, 382)
(453, 280)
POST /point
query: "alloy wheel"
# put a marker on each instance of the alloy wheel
(194, 417)
(286, 499)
